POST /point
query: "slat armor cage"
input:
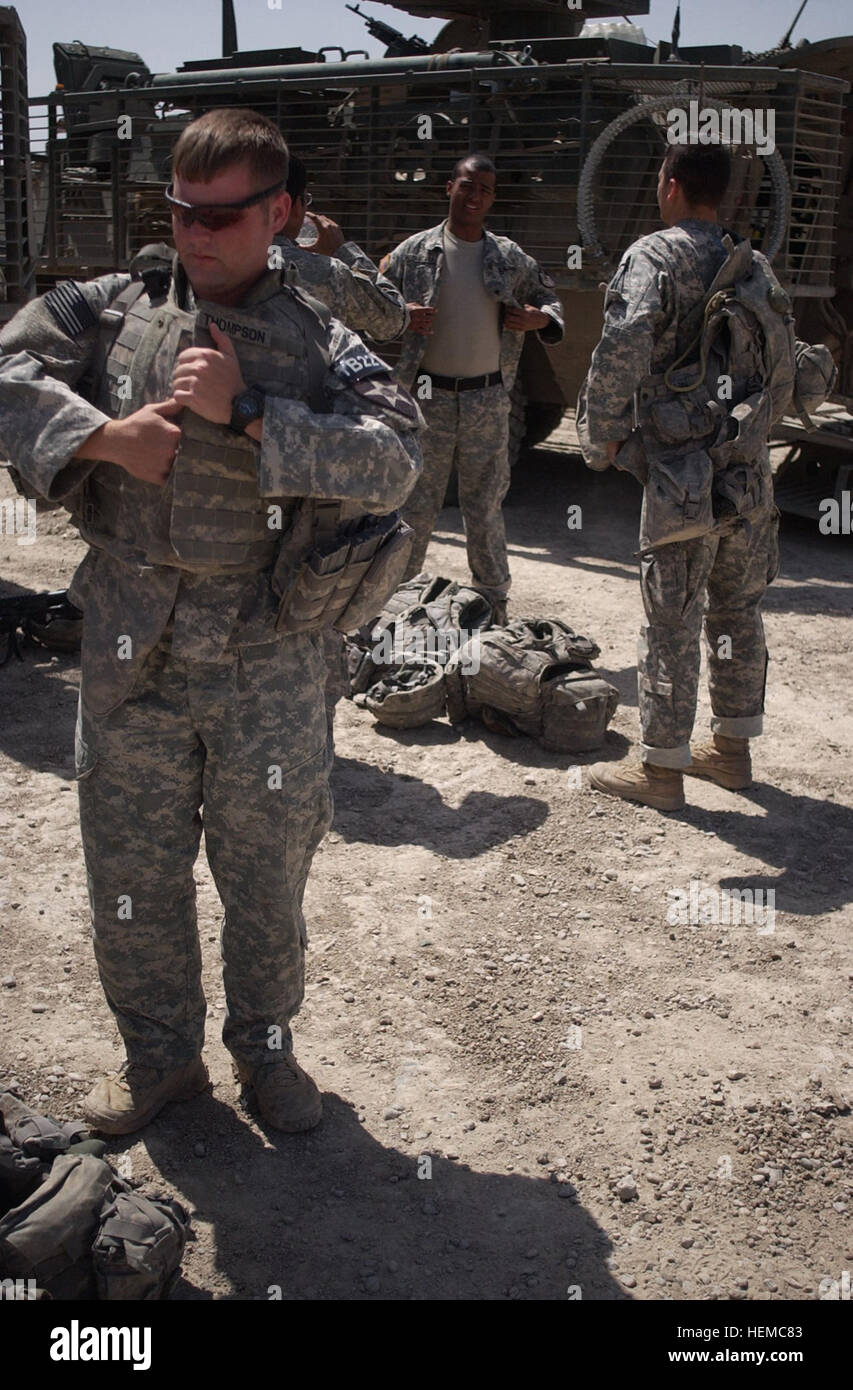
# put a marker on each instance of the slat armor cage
(380, 139)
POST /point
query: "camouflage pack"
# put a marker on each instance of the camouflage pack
(704, 424)
(137, 1251)
(534, 678)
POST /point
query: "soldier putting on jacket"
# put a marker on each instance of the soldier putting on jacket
(229, 435)
(682, 390)
(471, 298)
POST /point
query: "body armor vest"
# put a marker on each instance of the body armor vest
(211, 517)
(328, 567)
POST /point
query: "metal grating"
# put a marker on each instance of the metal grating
(373, 172)
(17, 278)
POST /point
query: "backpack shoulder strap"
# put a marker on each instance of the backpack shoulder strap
(109, 327)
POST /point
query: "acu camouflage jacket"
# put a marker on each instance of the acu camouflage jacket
(509, 274)
(350, 286)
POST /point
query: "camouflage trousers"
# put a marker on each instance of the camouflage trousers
(246, 739)
(721, 578)
(470, 429)
(337, 679)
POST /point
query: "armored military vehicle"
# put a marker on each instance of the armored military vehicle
(574, 109)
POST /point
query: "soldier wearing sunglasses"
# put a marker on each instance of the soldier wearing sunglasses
(209, 429)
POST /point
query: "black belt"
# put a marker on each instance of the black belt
(463, 383)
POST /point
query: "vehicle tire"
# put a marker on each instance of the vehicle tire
(517, 422)
(774, 163)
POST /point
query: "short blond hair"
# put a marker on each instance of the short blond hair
(231, 135)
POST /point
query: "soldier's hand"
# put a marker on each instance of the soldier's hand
(525, 320)
(329, 235)
(145, 443)
(206, 380)
(420, 318)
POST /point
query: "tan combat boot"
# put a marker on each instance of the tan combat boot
(287, 1097)
(725, 761)
(660, 787)
(126, 1100)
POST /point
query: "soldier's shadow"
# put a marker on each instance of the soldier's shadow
(808, 839)
(338, 1214)
(38, 699)
(394, 808)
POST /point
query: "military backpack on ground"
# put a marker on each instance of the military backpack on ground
(70, 1227)
(138, 1249)
(533, 677)
(49, 1236)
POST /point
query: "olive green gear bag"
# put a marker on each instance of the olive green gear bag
(48, 1237)
(533, 677)
(408, 695)
(138, 1249)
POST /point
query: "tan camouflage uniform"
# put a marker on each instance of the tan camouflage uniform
(657, 283)
(350, 286)
(468, 428)
(211, 706)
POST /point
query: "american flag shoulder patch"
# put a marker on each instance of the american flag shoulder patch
(69, 306)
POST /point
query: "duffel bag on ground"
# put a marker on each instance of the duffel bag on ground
(48, 1237)
(536, 674)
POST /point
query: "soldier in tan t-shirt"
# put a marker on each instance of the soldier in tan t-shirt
(471, 297)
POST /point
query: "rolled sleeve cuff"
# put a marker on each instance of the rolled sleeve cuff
(555, 330)
(57, 478)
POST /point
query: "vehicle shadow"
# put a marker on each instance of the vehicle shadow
(536, 515)
(549, 481)
(338, 1214)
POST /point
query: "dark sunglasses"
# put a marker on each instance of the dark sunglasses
(215, 216)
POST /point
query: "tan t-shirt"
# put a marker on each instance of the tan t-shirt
(466, 338)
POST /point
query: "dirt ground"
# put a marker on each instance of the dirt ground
(544, 1089)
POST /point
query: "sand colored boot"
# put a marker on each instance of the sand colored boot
(287, 1097)
(126, 1100)
(725, 761)
(659, 787)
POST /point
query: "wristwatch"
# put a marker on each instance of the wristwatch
(245, 407)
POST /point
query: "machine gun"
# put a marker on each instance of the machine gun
(398, 46)
(48, 619)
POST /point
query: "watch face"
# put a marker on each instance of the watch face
(246, 408)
